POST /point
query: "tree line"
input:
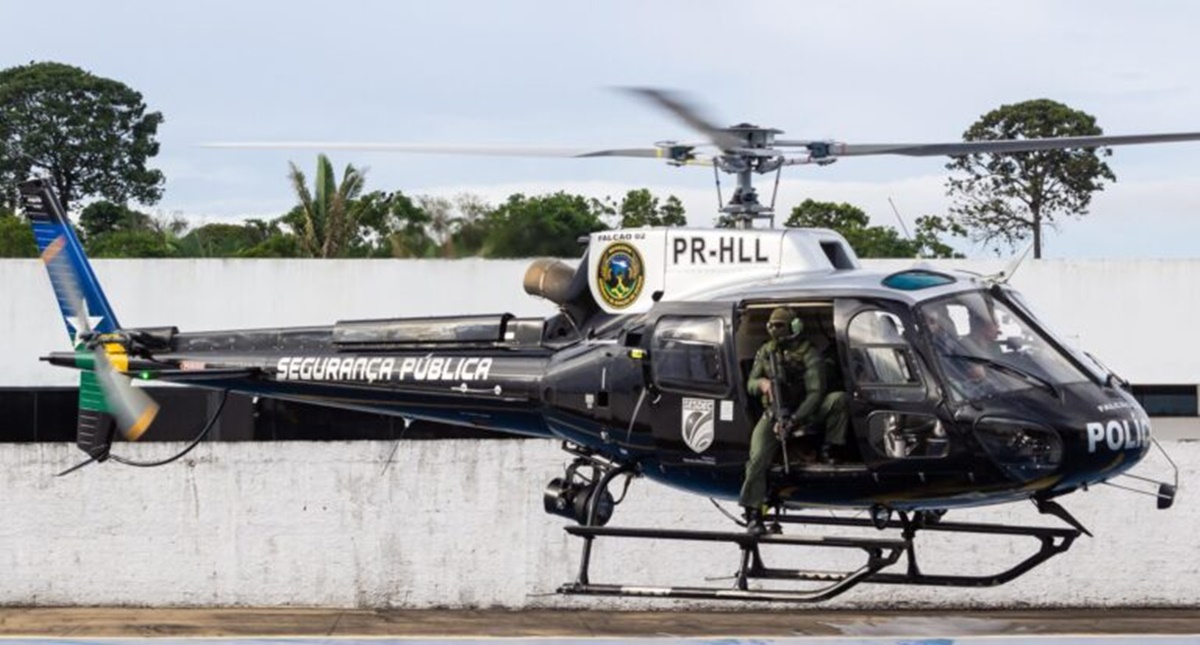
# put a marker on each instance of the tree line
(94, 138)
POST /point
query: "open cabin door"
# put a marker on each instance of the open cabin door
(892, 393)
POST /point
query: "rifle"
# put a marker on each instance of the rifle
(774, 395)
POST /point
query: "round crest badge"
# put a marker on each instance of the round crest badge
(620, 275)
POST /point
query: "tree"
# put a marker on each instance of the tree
(273, 242)
(875, 241)
(412, 223)
(220, 240)
(103, 216)
(380, 216)
(326, 223)
(546, 225)
(441, 223)
(115, 231)
(928, 240)
(91, 135)
(1004, 199)
(641, 208)
(471, 226)
(16, 237)
(131, 243)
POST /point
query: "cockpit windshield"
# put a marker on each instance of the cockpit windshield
(985, 349)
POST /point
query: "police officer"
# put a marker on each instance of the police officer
(804, 399)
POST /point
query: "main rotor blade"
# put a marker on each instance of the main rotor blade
(676, 104)
(989, 147)
(443, 149)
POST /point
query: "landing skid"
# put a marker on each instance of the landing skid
(880, 554)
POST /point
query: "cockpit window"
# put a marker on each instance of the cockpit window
(1089, 362)
(984, 348)
(881, 358)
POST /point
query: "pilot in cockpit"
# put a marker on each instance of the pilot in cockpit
(965, 357)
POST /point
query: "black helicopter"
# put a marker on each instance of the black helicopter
(643, 373)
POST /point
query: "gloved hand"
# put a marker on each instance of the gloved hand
(795, 425)
(785, 427)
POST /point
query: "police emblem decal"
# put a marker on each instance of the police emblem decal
(620, 275)
(696, 423)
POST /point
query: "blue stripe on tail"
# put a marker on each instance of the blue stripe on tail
(68, 266)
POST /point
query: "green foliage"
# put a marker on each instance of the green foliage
(273, 242)
(131, 243)
(928, 238)
(470, 231)
(327, 224)
(115, 231)
(219, 240)
(103, 216)
(16, 237)
(276, 246)
(376, 223)
(91, 135)
(641, 208)
(1004, 199)
(545, 225)
(875, 241)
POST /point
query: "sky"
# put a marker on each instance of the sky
(538, 72)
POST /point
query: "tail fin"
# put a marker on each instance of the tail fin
(106, 399)
(70, 272)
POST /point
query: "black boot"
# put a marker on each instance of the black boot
(829, 454)
(754, 520)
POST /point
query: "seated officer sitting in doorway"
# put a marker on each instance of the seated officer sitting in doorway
(804, 397)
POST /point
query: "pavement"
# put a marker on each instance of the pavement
(78, 623)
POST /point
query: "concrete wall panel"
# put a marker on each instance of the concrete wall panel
(460, 524)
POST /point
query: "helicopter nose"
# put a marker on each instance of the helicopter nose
(1110, 443)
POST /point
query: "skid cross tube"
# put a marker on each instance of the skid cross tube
(880, 552)
(1053, 541)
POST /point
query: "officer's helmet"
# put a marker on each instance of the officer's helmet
(784, 322)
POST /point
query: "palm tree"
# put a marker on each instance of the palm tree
(329, 220)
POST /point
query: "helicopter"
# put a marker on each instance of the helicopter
(643, 370)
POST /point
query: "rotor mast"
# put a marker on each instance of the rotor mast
(755, 155)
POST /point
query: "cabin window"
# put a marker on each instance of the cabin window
(898, 435)
(881, 359)
(686, 355)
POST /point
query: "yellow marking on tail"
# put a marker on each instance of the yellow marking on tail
(117, 356)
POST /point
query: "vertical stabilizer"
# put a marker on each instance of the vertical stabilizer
(70, 272)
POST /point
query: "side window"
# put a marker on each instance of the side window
(685, 354)
(897, 435)
(881, 359)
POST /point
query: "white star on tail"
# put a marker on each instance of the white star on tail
(73, 321)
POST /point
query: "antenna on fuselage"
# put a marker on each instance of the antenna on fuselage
(903, 226)
(1007, 273)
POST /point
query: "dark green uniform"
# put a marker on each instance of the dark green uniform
(805, 399)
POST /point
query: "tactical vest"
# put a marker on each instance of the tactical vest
(792, 361)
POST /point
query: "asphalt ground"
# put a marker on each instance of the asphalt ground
(1027, 626)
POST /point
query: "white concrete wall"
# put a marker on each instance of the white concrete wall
(460, 524)
(1138, 316)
